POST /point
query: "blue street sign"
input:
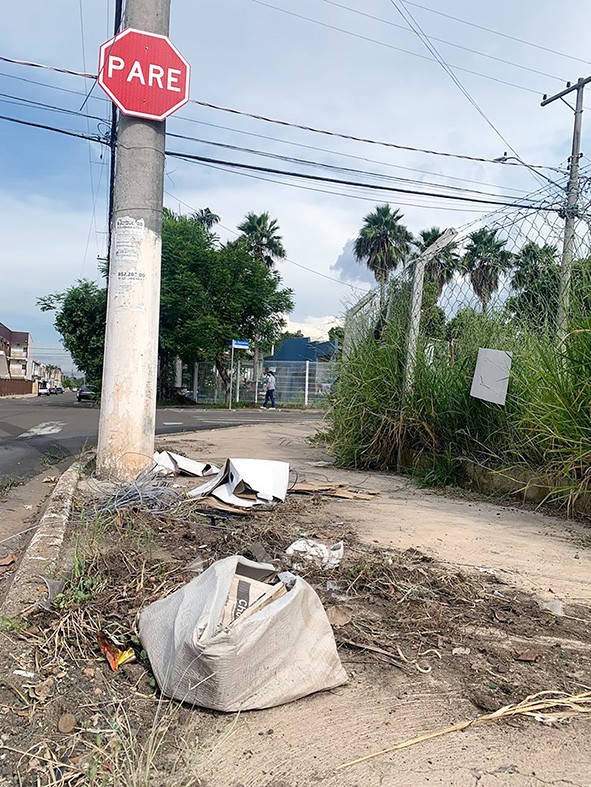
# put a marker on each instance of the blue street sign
(240, 344)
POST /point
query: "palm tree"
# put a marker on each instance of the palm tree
(485, 259)
(206, 218)
(383, 242)
(536, 282)
(261, 234)
(441, 268)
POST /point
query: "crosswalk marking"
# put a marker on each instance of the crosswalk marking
(48, 427)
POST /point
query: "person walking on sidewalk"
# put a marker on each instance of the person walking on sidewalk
(269, 390)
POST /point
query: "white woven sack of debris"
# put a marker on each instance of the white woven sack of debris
(283, 651)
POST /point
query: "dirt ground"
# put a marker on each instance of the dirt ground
(442, 622)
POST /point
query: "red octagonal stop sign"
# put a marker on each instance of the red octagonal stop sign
(144, 74)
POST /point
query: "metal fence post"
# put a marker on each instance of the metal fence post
(238, 383)
(307, 383)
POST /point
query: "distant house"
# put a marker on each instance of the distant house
(17, 347)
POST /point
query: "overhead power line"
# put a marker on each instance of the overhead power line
(367, 140)
(79, 135)
(444, 41)
(342, 182)
(498, 33)
(312, 129)
(50, 68)
(401, 200)
(389, 46)
(344, 155)
(333, 167)
(8, 98)
(449, 70)
(21, 101)
(300, 175)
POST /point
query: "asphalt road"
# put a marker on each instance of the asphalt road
(38, 432)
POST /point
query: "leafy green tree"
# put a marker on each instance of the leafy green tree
(441, 268)
(485, 259)
(261, 236)
(536, 283)
(383, 243)
(209, 295)
(80, 319)
(337, 334)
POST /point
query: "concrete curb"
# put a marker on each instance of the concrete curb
(41, 556)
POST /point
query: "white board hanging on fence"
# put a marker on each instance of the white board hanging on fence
(491, 376)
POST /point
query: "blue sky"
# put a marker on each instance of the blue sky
(249, 56)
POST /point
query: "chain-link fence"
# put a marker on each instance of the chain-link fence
(508, 283)
(298, 383)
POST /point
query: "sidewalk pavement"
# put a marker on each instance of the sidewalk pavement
(543, 554)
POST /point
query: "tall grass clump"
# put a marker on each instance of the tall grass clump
(544, 427)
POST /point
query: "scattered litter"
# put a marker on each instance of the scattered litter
(114, 650)
(42, 691)
(234, 639)
(337, 589)
(67, 723)
(460, 652)
(541, 707)
(490, 571)
(7, 561)
(54, 588)
(168, 463)
(23, 673)
(196, 566)
(247, 482)
(555, 606)
(50, 479)
(310, 551)
(336, 585)
(258, 552)
(145, 491)
(339, 616)
(528, 655)
(345, 491)
(28, 507)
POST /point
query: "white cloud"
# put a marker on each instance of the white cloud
(315, 328)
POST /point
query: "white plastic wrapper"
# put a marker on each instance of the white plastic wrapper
(308, 550)
(283, 651)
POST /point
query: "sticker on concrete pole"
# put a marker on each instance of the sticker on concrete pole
(127, 239)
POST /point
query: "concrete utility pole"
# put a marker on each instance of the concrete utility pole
(572, 199)
(128, 401)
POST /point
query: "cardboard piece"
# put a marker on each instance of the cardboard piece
(168, 463)
(333, 490)
(491, 376)
(247, 596)
(247, 482)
